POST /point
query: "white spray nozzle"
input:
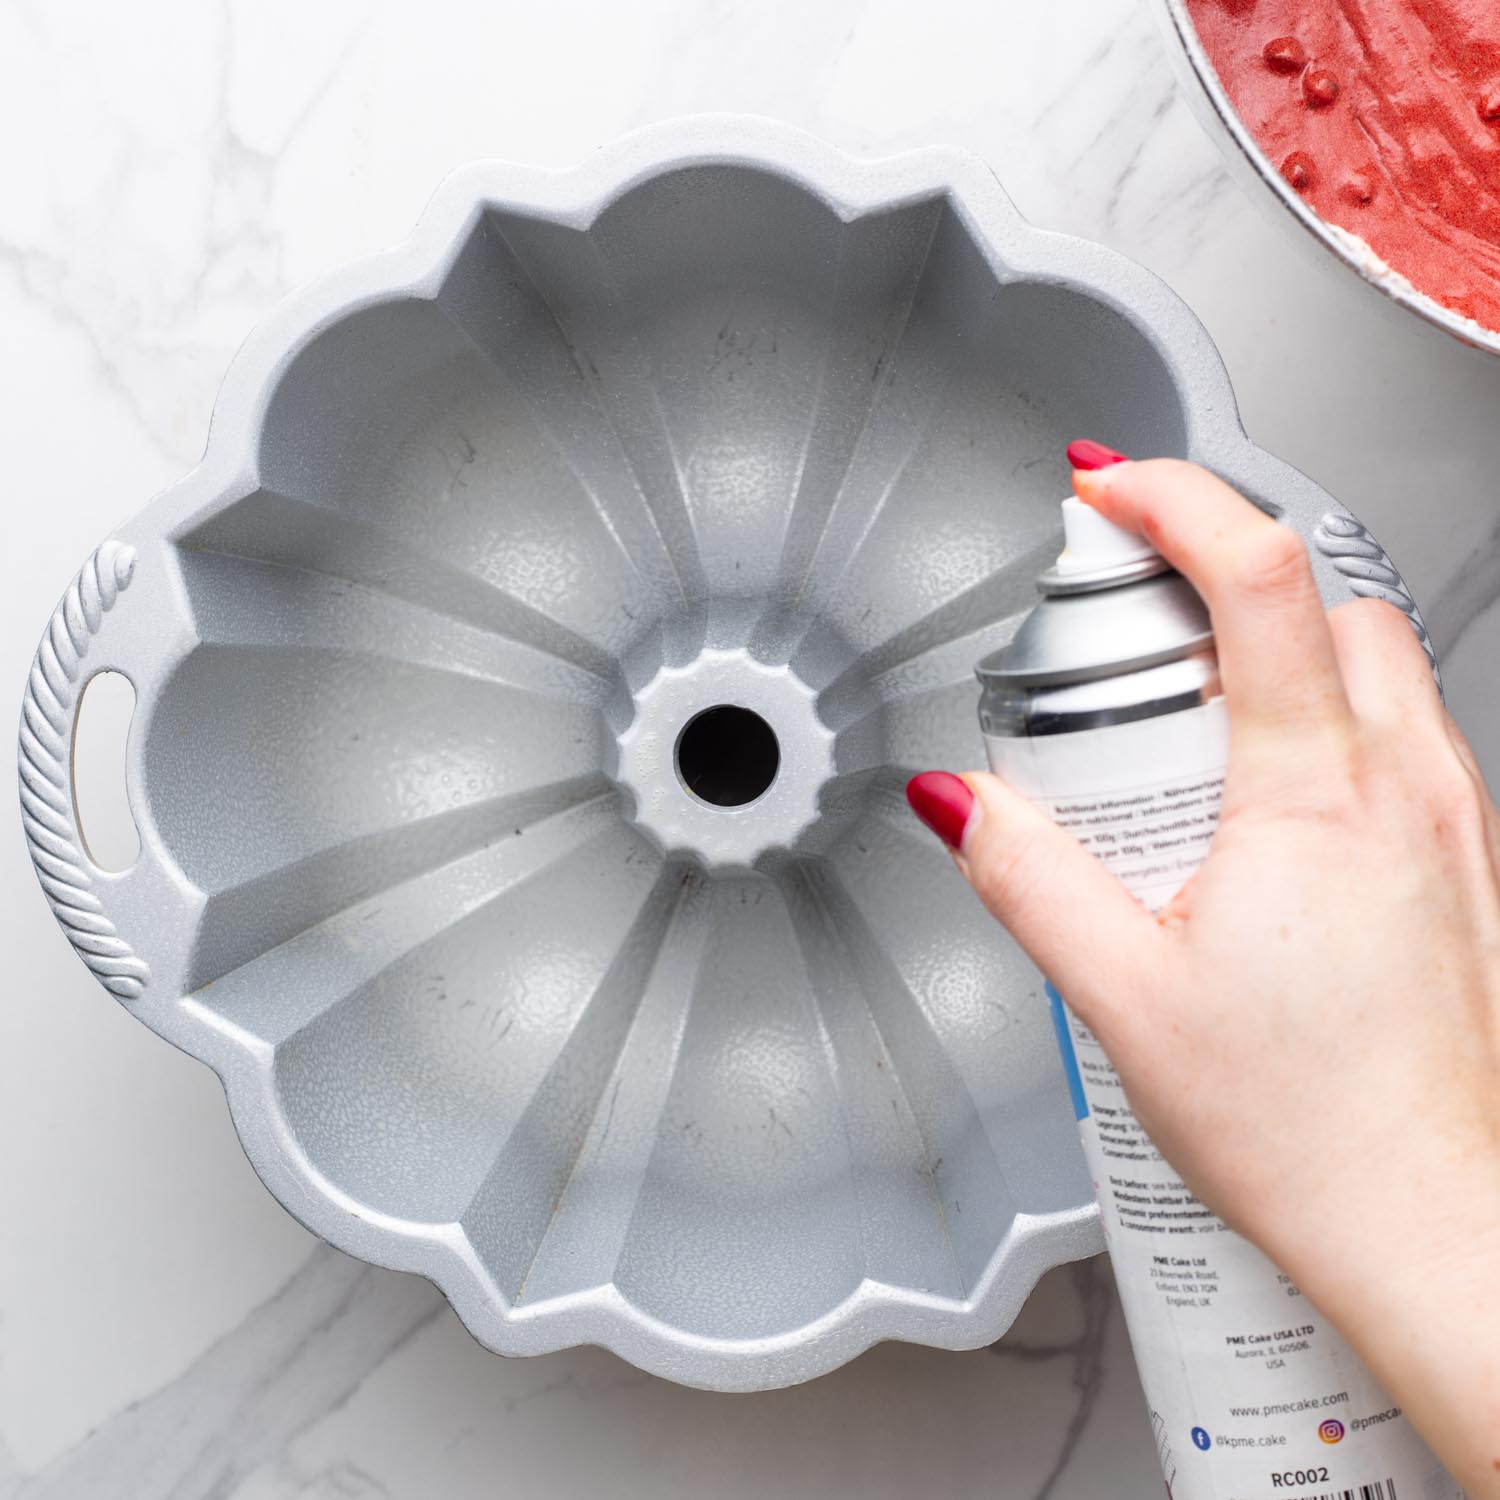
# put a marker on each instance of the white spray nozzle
(1091, 544)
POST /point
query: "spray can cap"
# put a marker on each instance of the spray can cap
(1097, 554)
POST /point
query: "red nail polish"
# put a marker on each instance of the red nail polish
(1083, 453)
(942, 802)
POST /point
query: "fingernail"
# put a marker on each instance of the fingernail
(943, 803)
(1084, 453)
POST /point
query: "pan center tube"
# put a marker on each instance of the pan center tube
(725, 759)
(727, 755)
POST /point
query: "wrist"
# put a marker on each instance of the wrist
(1413, 1287)
(1393, 1236)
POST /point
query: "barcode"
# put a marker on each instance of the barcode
(1382, 1489)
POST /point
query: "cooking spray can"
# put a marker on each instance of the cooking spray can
(1105, 710)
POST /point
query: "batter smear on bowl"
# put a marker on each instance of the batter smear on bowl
(1385, 116)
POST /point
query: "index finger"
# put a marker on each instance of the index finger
(1276, 655)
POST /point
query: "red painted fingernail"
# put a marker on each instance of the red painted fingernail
(942, 802)
(1083, 453)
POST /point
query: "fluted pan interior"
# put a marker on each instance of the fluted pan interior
(720, 445)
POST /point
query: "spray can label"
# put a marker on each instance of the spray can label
(1253, 1396)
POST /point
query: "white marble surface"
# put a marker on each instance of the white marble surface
(170, 169)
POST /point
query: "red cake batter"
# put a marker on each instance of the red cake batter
(1385, 116)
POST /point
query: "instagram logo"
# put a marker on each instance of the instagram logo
(1331, 1431)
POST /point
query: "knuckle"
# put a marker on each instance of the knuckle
(1361, 616)
(1352, 776)
(1273, 565)
(1325, 778)
(1454, 800)
(1365, 777)
(1383, 615)
(1379, 625)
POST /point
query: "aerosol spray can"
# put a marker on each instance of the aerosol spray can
(1105, 710)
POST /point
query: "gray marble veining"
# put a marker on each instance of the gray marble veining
(1085, 1354)
(246, 1398)
(231, 1424)
(176, 167)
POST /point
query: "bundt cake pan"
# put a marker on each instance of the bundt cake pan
(526, 680)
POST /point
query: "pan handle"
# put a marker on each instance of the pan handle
(73, 650)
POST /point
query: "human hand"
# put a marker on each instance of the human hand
(1310, 1030)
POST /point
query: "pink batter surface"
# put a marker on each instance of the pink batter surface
(1385, 116)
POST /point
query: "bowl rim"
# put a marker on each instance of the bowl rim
(1332, 238)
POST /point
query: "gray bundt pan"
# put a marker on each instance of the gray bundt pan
(720, 417)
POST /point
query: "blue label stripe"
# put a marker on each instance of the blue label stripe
(1069, 1056)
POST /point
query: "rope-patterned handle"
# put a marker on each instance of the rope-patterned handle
(1362, 561)
(47, 811)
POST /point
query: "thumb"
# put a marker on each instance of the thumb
(1077, 922)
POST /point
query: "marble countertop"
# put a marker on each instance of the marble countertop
(167, 1332)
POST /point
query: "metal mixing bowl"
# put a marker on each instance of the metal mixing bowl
(1261, 178)
(422, 652)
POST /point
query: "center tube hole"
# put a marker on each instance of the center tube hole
(727, 755)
